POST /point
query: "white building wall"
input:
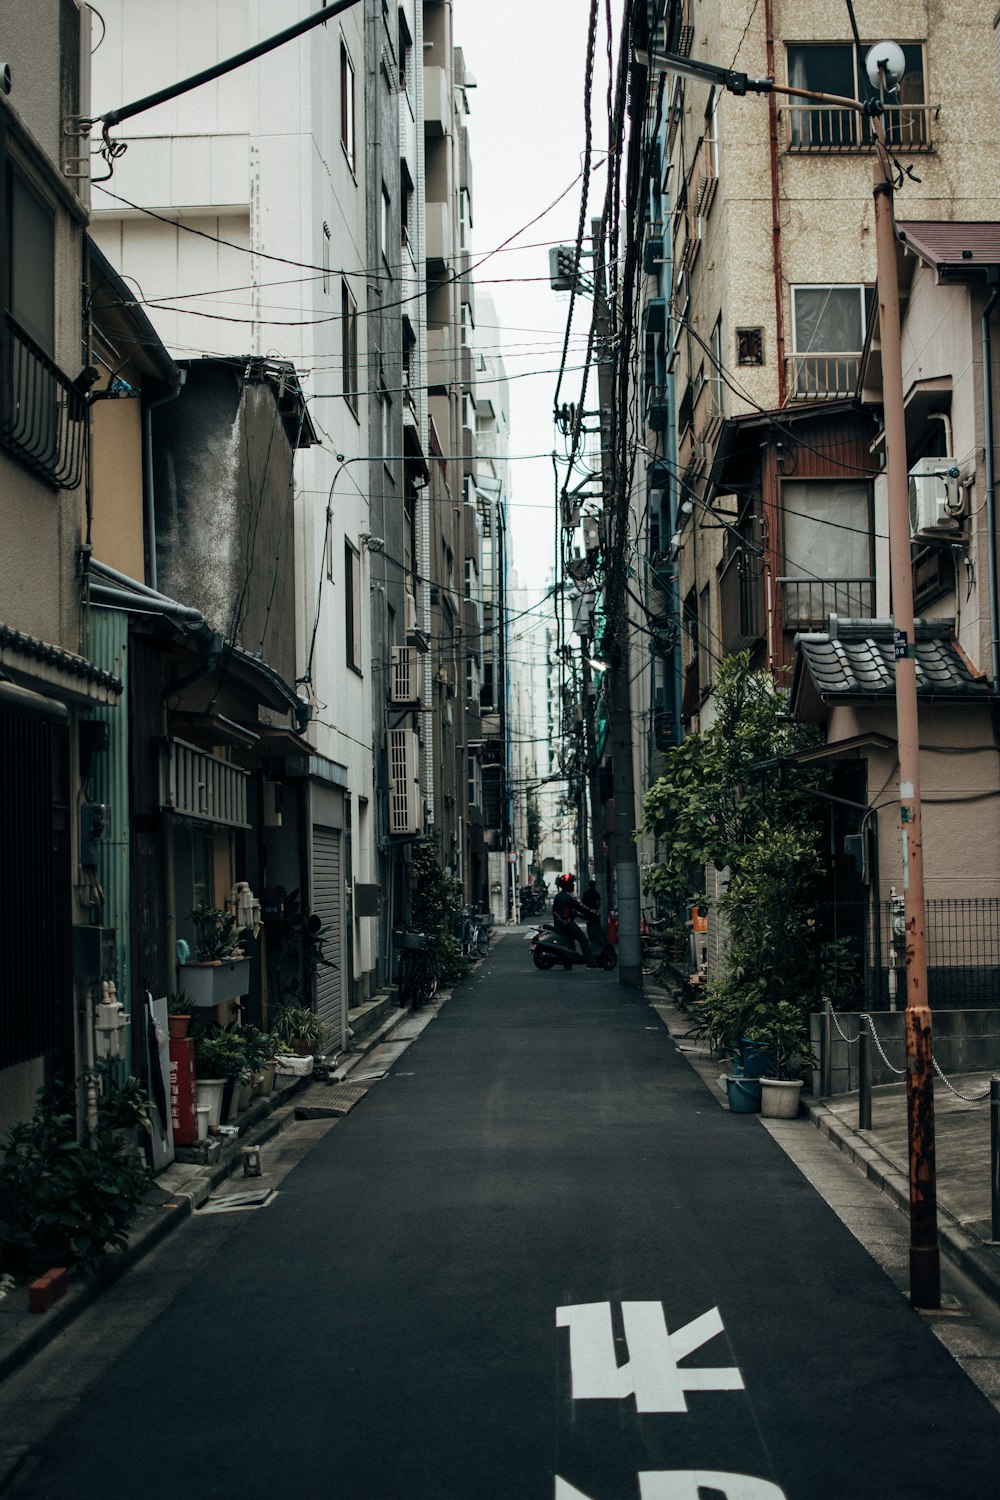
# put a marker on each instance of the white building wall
(256, 158)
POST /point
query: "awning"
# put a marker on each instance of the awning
(55, 672)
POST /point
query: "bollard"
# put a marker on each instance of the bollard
(995, 1155)
(865, 1073)
(826, 1055)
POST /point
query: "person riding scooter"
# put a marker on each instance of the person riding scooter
(565, 909)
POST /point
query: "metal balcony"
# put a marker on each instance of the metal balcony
(42, 414)
(822, 377)
(825, 130)
(807, 603)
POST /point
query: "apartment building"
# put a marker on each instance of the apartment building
(775, 534)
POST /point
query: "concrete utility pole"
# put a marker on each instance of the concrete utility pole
(619, 656)
(885, 64)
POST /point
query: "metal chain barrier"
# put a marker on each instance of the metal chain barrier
(900, 1072)
(969, 1098)
(850, 1040)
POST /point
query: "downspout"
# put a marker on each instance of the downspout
(147, 469)
(993, 281)
(772, 116)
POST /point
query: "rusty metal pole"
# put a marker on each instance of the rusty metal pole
(925, 1272)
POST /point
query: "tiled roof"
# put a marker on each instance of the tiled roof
(855, 660)
(65, 662)
(955, 247)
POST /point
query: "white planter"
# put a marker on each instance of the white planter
(210, 984)
(779, 1097)
(210, 1095)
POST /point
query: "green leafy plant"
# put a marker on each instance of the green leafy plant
(64, 1201)
(218, 935)
(783, 1032)
(453, 966)
(222, 1055)
(178, 1004)
(296, 947)
(297, 1023)
(260, 1047)
(436, 905)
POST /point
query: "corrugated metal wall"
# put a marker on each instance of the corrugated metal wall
(109, 783)
(328, 905)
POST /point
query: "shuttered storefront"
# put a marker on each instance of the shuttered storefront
(328, 905)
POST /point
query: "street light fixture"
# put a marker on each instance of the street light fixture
(885, 65)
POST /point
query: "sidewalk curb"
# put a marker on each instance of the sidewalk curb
(178, 1203)
(976, 1258)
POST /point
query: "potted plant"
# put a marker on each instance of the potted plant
(784, 1033)
(260, 1049)
(178, 1014)
(219, 969)
(301, 1029)
(220, 1065)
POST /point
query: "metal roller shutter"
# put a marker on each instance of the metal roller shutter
(328, 905)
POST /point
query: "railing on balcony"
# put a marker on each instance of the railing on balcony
(42, 414)
(822, 377)
(806, 603)
(826, 130)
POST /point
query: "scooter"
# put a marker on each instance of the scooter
(549, 947)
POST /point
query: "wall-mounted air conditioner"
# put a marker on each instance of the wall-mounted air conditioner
(936, 501)
(405, 805)
(404, 675)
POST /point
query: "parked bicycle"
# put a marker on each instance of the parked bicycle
(418, 970)
(475, 931)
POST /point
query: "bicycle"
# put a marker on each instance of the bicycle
(418, 971)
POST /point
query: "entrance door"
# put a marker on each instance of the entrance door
(328, 905)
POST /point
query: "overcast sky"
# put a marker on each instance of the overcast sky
(527, 134)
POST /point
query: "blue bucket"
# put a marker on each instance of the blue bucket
(744, 1095)
(757, 1062)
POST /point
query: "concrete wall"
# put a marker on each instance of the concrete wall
(965, 1041)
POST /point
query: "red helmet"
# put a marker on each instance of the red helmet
(564, 882)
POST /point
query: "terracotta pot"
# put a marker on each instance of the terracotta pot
(178, 1025)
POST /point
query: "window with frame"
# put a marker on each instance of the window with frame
(385, 404)
(347, 106)
(349, 345)
(826, 547)
(404, 53)
(385, 225)
(475, 775)
(828, 334)
(42, 414)
(835, 68)
(352, 606)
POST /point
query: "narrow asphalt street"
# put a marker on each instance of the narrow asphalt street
(538, 1262)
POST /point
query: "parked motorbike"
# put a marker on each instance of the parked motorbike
(549, 947)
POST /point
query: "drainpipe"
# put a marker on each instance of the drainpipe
(779, 290)
(147, 468)
(991, 518)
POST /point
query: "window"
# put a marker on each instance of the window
(41, 412)
(464, 219)
(31, 298)
(832, 68)
(715, 375)
(475, 773)
(828, 332)
(347, 137)
(385, 224)
(385, 403)
(405, 52)
(352, 606)
(749, 346)
(405, 203)
(705, 638)
(349, 345)
(472, 685)
(468, 327)
(827, 552)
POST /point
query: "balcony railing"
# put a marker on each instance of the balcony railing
(826, 130)
(822, 377)
(42, 414)
(807, 602)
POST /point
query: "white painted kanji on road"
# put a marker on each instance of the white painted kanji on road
(652, 1373)
(687, 1484)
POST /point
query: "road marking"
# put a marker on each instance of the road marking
(652, 1372)
(687, 1484)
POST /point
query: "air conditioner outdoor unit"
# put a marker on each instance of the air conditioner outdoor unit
(405, 806)
(404, 675)
(935, 499)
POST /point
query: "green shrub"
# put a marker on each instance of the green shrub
(68, 1202)
(453, 966)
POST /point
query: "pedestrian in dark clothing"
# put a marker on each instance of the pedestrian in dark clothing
(565, 909)
(591, 899)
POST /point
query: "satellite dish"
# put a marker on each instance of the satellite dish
(885, 57)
